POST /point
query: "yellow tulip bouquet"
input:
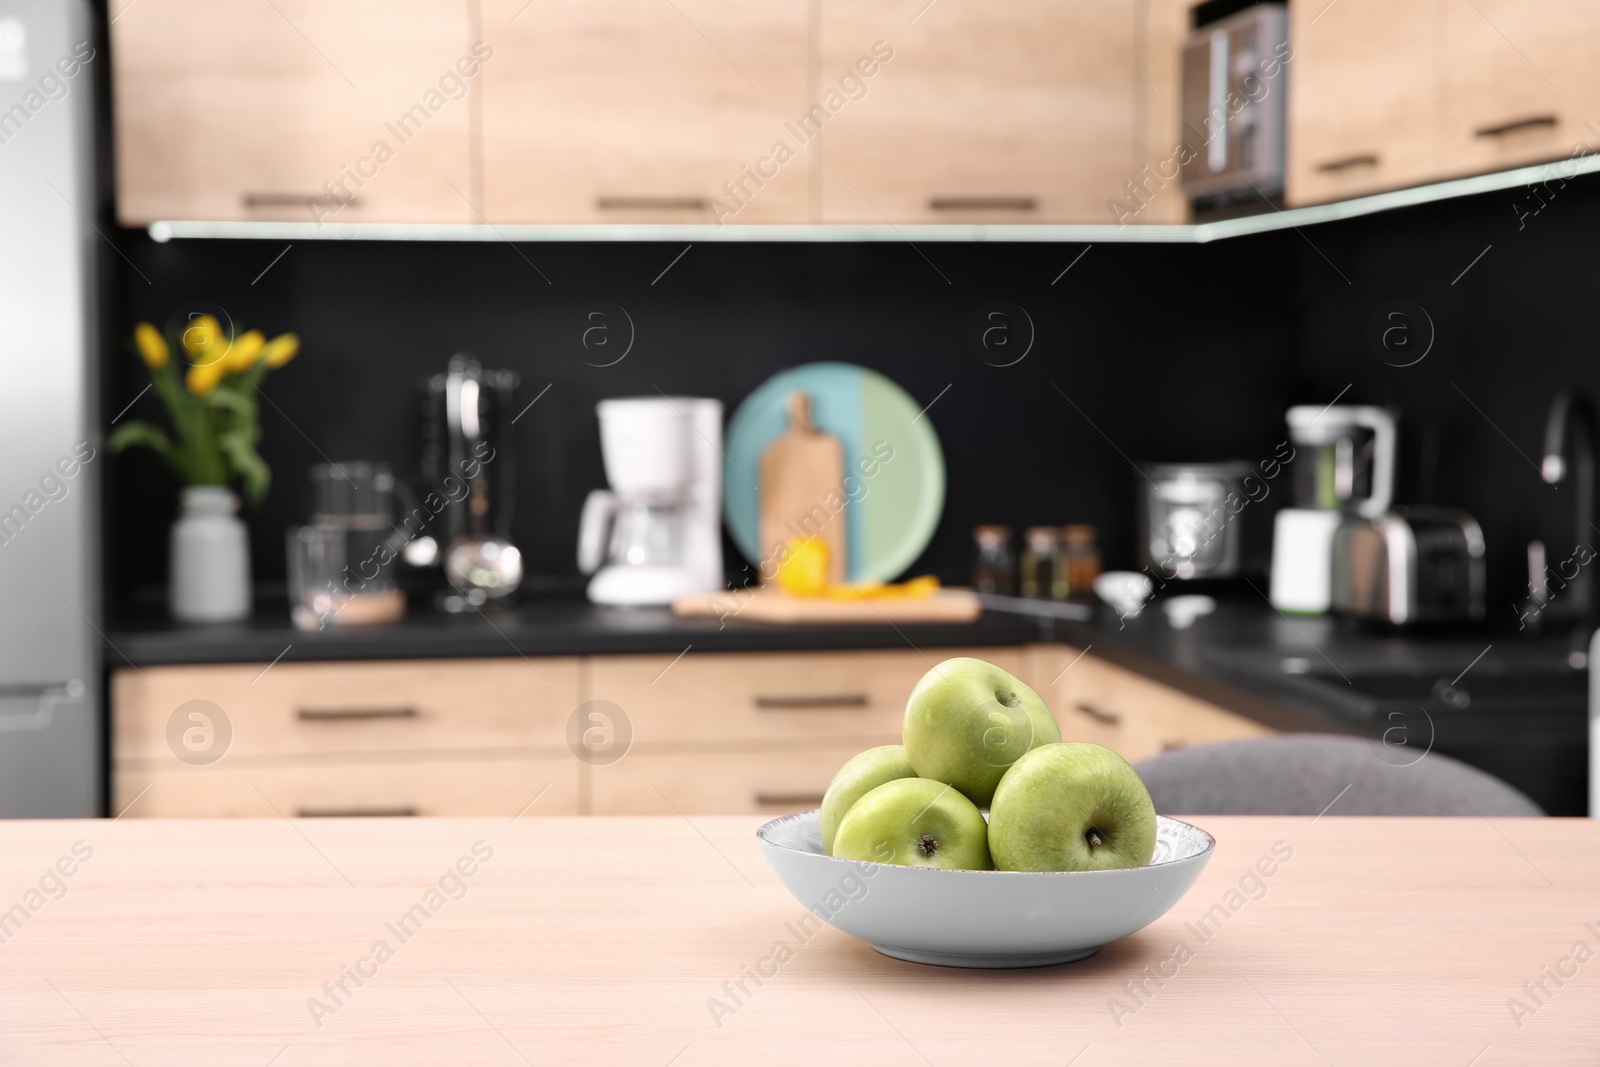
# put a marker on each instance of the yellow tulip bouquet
(215, 419)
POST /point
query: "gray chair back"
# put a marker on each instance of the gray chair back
(1302, 774)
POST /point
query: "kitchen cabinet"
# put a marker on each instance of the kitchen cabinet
(601, 111)
(1023, 112)
(742, 732)
(1519, 82)
(718, 733)
(717, 699)
(767, 783)
(1363, 102)
(387, 786)
(1102, 703)
(463, 737)
(297, 110)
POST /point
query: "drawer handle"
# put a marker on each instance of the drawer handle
(653, 203)
(983, 203)
(404, 812)
(1107, 718)
(292, 200)
(789, 800)
(1529, 123)
(346, 714)
(839, 700)
(1360, 159)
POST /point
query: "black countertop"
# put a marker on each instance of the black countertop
(543, 627)
(1291, 673)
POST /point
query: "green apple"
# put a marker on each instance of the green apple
(915, 822)
(1071, 807)
(861, 773)
(967, 721)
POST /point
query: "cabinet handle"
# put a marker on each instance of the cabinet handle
(789, 800)
(1360, 159)
(653, 203)
(983, 203)
(291, 199)
(357, 813)
(1529, 123)
(803, 703)
(1106, 718)
(346, 714)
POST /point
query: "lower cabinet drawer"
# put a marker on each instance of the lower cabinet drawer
(1102, 703)
(465, 787)
(291, 709)
(735, 783)
(737, 697)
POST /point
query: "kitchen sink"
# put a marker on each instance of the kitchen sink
(1519, 713)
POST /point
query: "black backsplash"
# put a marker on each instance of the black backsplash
(1167, 352)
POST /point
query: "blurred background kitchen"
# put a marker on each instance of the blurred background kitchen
(1235, 354)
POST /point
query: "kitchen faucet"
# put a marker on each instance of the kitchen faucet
(1570, 427)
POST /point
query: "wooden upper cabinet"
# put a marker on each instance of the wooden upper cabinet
(1005, 113)
(347, 111)
(645, 111)
(1520, 81)
(1363, 98)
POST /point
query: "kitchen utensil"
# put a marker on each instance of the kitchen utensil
(1191, 521)
(654, 535)
(467, 459)
(1125, 591)
(984, 918)
(1344, 462)
(893, 485)
(1412, 564)
(798, 470)
(1181, 611)
(759, 604)
(341, 564)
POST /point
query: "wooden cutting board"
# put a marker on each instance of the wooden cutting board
(773, 605)
(802, 478)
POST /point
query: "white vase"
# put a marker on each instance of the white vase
(209, 573)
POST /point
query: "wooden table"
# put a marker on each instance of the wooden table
(1392, 941)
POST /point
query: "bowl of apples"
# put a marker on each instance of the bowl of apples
(984, 840)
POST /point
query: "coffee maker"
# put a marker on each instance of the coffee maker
(1344, 464)
(656, 534)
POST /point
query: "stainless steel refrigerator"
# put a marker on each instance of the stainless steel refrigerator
(51, 735)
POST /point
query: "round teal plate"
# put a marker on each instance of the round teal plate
(894, 469)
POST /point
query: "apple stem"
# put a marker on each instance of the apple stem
(1094, 838)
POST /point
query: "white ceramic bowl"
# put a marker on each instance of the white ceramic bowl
(983, 918)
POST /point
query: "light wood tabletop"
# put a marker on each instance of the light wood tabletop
(565, 940)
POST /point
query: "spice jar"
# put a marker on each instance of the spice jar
(1042, 573)
(995, 569)
(1080, 558)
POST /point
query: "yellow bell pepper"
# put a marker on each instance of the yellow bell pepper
(804, 571)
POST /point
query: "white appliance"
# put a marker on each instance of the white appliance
(656, 534)
(50, 455)
(1344, 462)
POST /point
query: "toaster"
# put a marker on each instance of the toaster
(1409, 564)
